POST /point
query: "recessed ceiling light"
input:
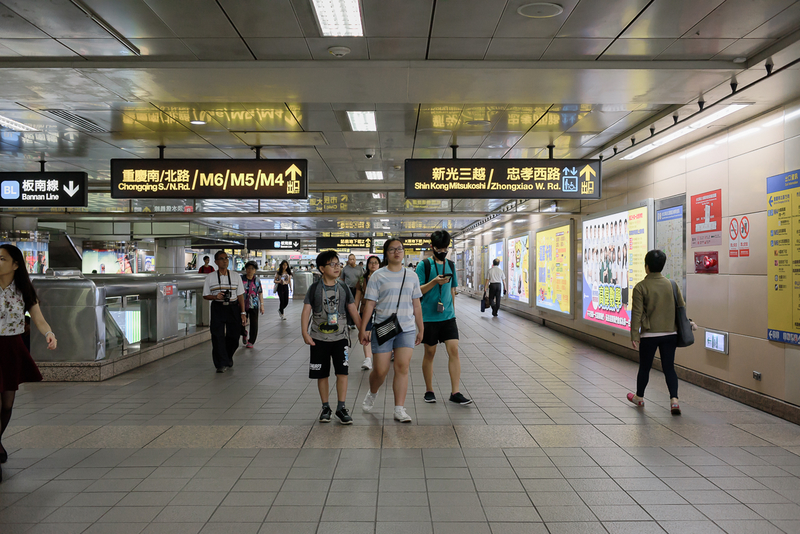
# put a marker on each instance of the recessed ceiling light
(540, 10)
(197, 122)
(15, 126)
(362, 121)
(740, 60)
(374, 175)
(338, 18)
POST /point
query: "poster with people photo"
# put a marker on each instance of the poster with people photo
(518, 260)
(614, 246)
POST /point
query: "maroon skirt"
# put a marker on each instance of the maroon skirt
(16, 364)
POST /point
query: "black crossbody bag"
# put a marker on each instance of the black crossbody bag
(389, 328)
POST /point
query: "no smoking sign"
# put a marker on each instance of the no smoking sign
(739, 233)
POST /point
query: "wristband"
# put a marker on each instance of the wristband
(244, 313)
(49, 332)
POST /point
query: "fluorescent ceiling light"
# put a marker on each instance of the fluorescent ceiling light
(705, 121)
(362, 121)
(338, 18)
(698, 151)
(197, 122)
(739, 135)
(15, 126)
(374, 175)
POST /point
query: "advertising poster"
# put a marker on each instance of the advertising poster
(707, 219)
(518, 270)
(495, 252)
(783, 226)
(613, 263)
(105, 262)
(469, 268)
(149, 263)
(553, 268)
(669, 238)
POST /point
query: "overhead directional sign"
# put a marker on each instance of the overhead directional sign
(273, 244)
(411, 245)
(343, 243)
(209, 178)
(43, 189)
(503, 178)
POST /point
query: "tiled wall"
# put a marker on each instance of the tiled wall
(735, 300)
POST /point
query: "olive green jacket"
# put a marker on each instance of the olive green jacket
(653, 308)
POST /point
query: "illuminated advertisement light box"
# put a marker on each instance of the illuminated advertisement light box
(615, 243)
(44, 190)
(503, 178)
(209, 178)
(554, 260)
(495, 251)
(518, 272)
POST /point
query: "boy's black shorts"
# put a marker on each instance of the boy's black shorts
(439, 331)
(322, 352)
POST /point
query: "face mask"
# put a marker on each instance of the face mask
(440, 255)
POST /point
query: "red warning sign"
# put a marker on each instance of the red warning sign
(733, 232)
(744, 237)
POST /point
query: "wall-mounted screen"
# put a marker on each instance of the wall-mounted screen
(518, 274)
(554, 269)
(614, 244)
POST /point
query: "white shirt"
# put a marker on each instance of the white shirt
(496, 275)
(12, 311)
(217, 283)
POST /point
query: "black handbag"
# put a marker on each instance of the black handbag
(684, 326)
(389, 328)
(484, 302)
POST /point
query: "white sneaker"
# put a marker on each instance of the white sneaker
(283, 316)
(401, 415)
(367, 365)
(369, 402)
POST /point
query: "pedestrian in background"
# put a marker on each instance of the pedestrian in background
(351, 274)
(206, 267)
(283, 282)
(495, 281)
(373, 264)
(253, 302)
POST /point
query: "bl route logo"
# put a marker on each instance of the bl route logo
(9, 190)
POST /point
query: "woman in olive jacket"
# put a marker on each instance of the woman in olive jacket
(653, 327)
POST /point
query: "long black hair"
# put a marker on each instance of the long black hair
(288, 268)
(21, 279)
(386, 244)
(367, 272)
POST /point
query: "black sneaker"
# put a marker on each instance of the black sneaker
(458, 398)
(325, 416)
(220, 369)
(343, 417)
(429, 397)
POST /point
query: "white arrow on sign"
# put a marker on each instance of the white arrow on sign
(72, 189)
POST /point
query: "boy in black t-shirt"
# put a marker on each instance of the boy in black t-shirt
(326, 304)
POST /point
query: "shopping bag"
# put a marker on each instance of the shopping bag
(485, 303)
(685, 335)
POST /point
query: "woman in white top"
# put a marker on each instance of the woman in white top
(17, 296)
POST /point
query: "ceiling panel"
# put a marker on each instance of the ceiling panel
(319, 47)
(7, 52)
(458, 48)
(132, 18)
(512, 24)
(597, 121)
(279, 48)
(575, 49)
(744, 48)
(505, 48)
(38, 47)
(636, 48)
(780, 25)
(695, 49)
(669, 19)
(14, 26)
(216, 49)
(262, 18)
(164, 48)
(397, 48)
(57, 18)
(97, 47)
(466, 18)
(409, 18)
(736, 18)
(200, 19)
(592, 19)
(362, 139)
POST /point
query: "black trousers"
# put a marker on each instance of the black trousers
(666, 346)
(252, 318)
(226, 327)
(283, 296)
(495, 292)
(350, 319)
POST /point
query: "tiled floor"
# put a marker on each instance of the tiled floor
(550, 445)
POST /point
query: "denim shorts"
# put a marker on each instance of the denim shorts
(401, 340)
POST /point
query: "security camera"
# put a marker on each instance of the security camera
(369, 154)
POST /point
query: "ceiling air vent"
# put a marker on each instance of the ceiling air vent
(80, 122)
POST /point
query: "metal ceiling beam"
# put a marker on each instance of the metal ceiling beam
(200, 215)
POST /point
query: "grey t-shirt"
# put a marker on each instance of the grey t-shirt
(350, 275)
(334, 300)
(384, 287)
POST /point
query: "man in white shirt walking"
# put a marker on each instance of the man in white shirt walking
(226, 293)
(495, 281)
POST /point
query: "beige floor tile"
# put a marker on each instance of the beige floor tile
(484, 436)
(43, 437)
(418, 437)
(194, 437)
(335, 436)
(569, 436)
(118, 437)
(268, 437)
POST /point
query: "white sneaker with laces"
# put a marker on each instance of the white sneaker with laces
(369, 402)
(367, 365)
(401, 415)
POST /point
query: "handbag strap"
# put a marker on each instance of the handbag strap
(675, 293)
(401, 291)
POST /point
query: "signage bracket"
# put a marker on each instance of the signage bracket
(161, 151)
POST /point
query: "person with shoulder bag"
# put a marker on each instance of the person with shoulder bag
(655, 326)
(253, 302)
(17, 296)
(283, 282)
